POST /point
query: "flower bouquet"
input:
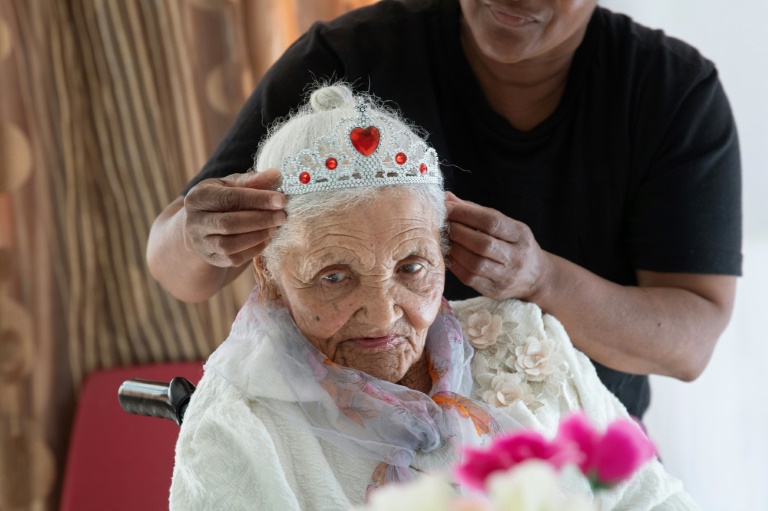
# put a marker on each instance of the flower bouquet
(521, 471)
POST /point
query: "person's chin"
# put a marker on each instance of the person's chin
(383, 367)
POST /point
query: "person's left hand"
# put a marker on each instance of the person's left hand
(493, 254)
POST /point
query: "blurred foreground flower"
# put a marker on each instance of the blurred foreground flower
(611, 457)
(507, 451)
(533, 485)
(429, 493)
(519, 471)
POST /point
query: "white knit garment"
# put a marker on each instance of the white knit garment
(233, 454)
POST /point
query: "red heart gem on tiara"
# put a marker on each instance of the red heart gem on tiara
(365, 140)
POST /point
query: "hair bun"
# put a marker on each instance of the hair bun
(330, 97)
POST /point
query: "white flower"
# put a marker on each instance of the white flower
(537, 358)
(532, 486)
(506, 389)
(481, 327)
(429, 493)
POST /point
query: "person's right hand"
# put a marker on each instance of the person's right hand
(230, 220)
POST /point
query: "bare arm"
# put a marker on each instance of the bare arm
(668, 324)
(203, 241)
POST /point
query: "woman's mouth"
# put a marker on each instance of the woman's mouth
(380, 343)
(511, 17)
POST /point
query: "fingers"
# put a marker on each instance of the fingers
(230, 220)
(238, 192)
(210, 197)
(479, 283)
(264, 180)
(450, 202)
(492, 253)
(239, 222)
(451, 197)
(476, 264)
(480, 243)
(237, 249)
(486, 220)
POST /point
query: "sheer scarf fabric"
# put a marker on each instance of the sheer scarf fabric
(363, 415)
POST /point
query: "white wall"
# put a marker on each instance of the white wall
(713, 433)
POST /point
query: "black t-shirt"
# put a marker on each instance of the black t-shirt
(637, 168)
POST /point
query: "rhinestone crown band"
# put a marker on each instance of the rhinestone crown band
(362, 151)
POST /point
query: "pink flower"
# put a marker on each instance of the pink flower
(477, 466)
(507, 451)
(611, 457)
(577, 430)
(623, 449)
(525, 445)
(605, 458)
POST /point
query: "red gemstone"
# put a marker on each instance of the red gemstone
(365, 140)
(331, 163)
(423, 168)
(304, 178)
(401, 158)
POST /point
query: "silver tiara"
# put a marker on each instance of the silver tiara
(362, 151)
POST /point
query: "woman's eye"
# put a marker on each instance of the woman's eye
(334, 278)
(410, 268)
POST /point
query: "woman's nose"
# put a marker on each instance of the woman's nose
(379, 306)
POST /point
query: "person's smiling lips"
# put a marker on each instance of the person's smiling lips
(510, 16)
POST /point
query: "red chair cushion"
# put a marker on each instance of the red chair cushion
(116, 460)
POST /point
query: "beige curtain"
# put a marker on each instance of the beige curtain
(107, 108)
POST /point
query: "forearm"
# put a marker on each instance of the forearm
(175, 264)
(670, 331)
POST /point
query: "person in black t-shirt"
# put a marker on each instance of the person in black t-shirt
(593, 165)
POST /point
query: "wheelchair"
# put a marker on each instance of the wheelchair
(156, 399)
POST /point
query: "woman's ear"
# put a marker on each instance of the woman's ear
(267, 288)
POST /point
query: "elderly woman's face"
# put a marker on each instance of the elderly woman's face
(365, 284)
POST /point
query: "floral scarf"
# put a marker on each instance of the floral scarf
(363, 415)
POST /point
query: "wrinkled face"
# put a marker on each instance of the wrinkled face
(365, 284)
(511, 31)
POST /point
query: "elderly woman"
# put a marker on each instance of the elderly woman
(346, 369)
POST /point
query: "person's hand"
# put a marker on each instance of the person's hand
(230, 220)
(493, 254)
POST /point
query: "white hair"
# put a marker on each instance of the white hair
(326, 107)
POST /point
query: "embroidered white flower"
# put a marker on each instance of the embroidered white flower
(537, 359)
(507, 389)
(481, 327)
